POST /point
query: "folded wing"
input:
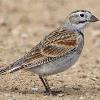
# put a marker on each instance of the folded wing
(53, 46)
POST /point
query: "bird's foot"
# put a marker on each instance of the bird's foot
(48, 93)
(53, 93)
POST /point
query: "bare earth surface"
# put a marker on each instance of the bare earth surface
(23, 23)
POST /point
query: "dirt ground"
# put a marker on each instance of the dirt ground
(23, 23)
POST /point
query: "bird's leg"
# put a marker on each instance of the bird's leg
(46, 85)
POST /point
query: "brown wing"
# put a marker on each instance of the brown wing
(59, 47)
(53, 46)
(56, 44)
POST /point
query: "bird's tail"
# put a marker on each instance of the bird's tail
(12, 68)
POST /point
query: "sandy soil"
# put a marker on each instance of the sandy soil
(23, 23)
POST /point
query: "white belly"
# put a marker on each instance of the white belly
(57, 66)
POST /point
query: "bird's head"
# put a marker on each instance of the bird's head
(81, 18)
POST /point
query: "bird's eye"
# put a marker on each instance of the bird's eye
(82, 15)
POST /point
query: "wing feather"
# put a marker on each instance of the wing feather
(53, 46)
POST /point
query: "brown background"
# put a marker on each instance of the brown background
(23, 23)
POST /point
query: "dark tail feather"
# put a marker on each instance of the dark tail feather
(12, 68)
(9, 69)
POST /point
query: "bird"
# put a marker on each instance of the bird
(57, 51)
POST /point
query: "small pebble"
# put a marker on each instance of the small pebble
(60, 95)
(94, 79)
(24, 35)
(82, 98)
(35, 89)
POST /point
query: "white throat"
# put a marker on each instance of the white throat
(75, 27)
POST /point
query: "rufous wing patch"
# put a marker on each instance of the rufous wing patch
(67, 42)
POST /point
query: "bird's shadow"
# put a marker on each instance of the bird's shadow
(71, 90)
(66, 90)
